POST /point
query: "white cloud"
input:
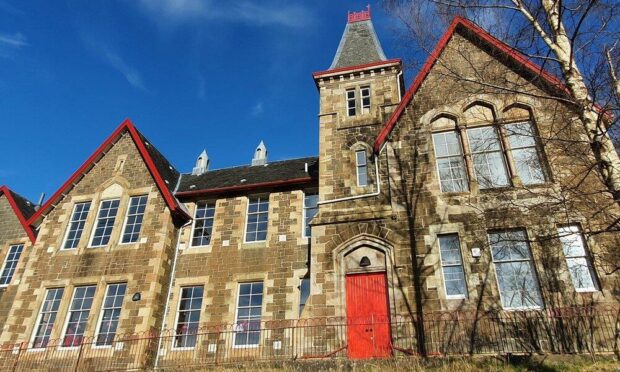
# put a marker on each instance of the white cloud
(16, 40)
(132, 76)
(171, 12)
(257, 110)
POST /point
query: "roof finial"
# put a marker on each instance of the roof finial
(202, 164)
(260, 155)
(363, 15)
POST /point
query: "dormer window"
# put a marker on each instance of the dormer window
(365, 97)
(351, 111)
(362, 168)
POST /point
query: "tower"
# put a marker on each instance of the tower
(357, 94)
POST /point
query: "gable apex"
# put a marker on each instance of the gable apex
(469, 29)
(164, 175)
(23, 209)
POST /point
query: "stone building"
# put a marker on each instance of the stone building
(420, 200)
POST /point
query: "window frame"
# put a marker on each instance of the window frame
(191, 238)
(68, 317)
(462, 157)
(68, 228)
(586, 256)
(6, 261)
(348, 101)
(234, 338)
(502, 153)
(363, 107)
(358, 166)
(176, 317)
(96, 224)
(536, 146)
(465, 295)
(304, 223)
(532, 267)
(247, 218)
(39, 318)
(126, 219)
(102, 311)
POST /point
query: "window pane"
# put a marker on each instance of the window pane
(10, 263)
(203, 224)
(47, 317)
(110, 314)
(528, 165)
(452, 265)
(577, 260)
(304, 293)
(514, 268)
(520, 135)
(249, 309)
(78, 316)
(351, 102)
(188, 318)
(452, 175)
(105, 222)
(362, 169)
(257, 219)
(135, 215)
(76, 225)
(310, 210)
(489, 163)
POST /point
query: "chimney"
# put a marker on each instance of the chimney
(260, 155)
(202, 164)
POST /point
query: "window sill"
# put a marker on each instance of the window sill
(198, 249)
(185, 348)
(255, 346)
(585, 290)
(463, 297)
(516, 309)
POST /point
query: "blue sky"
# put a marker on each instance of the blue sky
(191, 74)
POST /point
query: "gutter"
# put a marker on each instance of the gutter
(172, 277)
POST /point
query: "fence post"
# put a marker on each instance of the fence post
(19, 352)
(293, 341)
(77, 362)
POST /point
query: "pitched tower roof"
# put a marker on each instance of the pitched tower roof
(359, 44)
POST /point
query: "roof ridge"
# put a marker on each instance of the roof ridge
(250, 166)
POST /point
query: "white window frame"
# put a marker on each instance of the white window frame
(349, 100)
(101, 312)
(501, 151)
(68, 229)
(461, 265)
(533, 268)
(176, 318)
(358, 166)
(247, 216)
(92, 235)
(68, 317)
(535, 147)
(234, 338)
(573, 229)
(365, 109)
(6, 261)
(126, 219)
(462, 157)
(303, 217)
(191, 238)
(37, 322)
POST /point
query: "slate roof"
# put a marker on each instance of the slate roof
(167, 172)
(285, 170)
(25, 206)
(359, 45)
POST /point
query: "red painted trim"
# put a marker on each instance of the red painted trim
(319, 74)
(22, 220)
(128, 126)
(485, 36)
(253, 186)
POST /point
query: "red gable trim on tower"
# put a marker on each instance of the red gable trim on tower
(22, 220)
(320, 74)
(485, 36)
(128, 126)
(360, 16)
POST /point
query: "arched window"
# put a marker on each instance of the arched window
(449, 156)
(362, 167)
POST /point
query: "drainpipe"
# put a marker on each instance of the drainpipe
(172, 276)
(375, 193)
(400, 94)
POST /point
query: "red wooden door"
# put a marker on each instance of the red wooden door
(368, 318)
